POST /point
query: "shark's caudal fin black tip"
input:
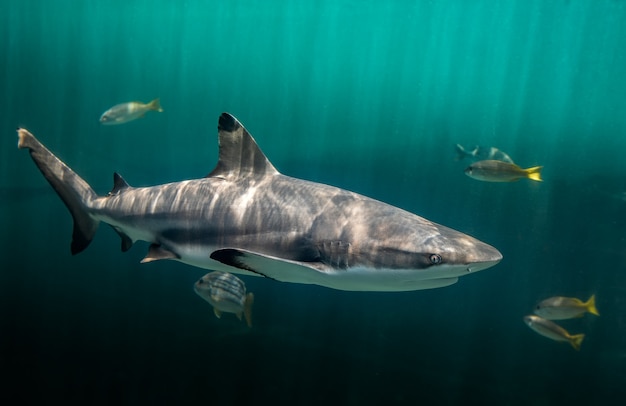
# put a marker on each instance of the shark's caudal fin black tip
(82, 236)
(227, 123)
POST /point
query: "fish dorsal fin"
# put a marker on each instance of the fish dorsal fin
(119, 184)
(239, 156)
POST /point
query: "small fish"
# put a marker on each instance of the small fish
(481, 153)
(125, 112)
(226, 293)
(553, 331)
(498, 171)
(561, 308)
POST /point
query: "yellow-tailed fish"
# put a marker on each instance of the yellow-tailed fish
(553, 331)
(491, 170)
(561, 308)
(125, 112)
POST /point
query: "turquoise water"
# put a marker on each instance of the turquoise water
(370, 96)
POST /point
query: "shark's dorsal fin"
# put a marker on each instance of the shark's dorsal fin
(119, 184)
(239, 156)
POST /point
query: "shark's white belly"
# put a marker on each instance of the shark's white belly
(350, 279)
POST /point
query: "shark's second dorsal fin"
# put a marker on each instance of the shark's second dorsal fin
(240, 156)
(119, 184)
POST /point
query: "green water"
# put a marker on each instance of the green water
(370, 96)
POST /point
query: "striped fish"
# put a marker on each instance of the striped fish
(226, 293)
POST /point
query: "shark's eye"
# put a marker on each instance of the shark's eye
(200, 281)
(435, 259)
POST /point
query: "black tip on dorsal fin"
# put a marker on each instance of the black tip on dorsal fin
(239, 155)
(119, 184)
(227, 123)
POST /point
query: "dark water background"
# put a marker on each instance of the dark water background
(370, 96)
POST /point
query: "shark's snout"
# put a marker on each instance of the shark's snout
(483, 257)
(466, 253)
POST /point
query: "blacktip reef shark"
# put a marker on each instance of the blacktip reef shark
(245, 217)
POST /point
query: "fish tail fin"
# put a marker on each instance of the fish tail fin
(71, 188)
(576, 340)
(247, 309)
(591, 305)
(534, 173)
(156, 105)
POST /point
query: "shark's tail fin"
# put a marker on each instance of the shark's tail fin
(71, 188)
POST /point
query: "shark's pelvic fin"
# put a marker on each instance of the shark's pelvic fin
(157, 252)
(71, 188)
(239, 154)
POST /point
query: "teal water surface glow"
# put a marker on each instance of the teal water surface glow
(367, 95)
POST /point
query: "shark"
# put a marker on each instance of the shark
(245, 217)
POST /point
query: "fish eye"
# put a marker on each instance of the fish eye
(435, 259)
(200, 281)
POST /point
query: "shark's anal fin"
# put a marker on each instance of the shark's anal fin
(157, 252)
(126, 240)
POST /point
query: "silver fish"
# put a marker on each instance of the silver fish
(226, 293)
(561, 308)
(125, 112)
(245, 217)
(498, 171)
(553, 331)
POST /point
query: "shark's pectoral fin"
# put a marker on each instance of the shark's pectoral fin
(280, 269)
(157, 252)
(217, 313)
